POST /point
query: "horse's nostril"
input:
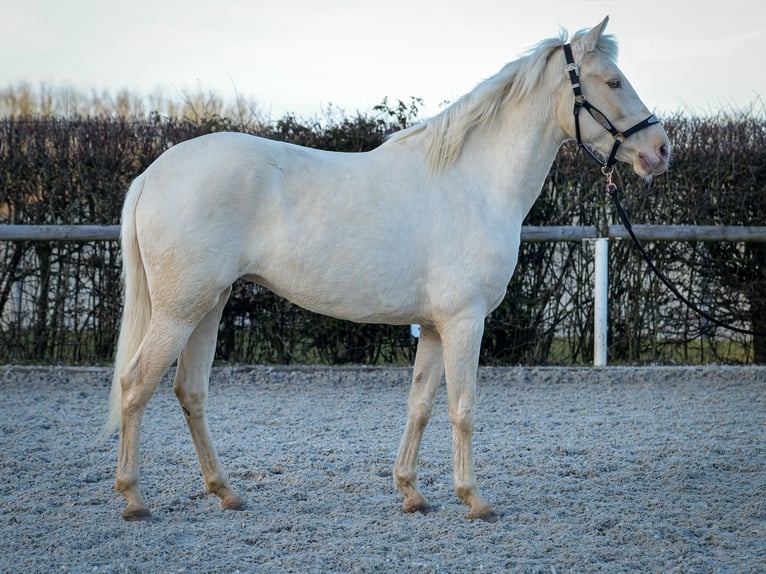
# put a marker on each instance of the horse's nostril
(663, 152)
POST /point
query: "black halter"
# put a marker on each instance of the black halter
(603, 121)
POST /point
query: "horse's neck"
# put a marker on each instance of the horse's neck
(515, 155)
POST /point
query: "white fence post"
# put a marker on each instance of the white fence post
(601, 301)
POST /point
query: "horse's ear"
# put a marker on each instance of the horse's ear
(590, 40)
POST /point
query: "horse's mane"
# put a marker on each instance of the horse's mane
(444, 134)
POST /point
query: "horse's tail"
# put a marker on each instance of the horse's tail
(137, 308)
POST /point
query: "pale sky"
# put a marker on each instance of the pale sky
(300, 56)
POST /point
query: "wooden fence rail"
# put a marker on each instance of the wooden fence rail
(59, 232)
(528, 233)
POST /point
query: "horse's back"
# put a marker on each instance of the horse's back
(311, 225)
(227, 182)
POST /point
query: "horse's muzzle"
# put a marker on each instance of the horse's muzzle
(656, 161)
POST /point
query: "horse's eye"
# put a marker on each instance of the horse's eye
(614, 83)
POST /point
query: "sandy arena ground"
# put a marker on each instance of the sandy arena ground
(591, 470)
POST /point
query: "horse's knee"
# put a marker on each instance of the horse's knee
(463, 420)
(420, 413)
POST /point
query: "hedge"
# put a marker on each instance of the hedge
(60, 301)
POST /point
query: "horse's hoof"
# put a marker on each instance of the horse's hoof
(412, 506)
(233, 503)
(136, 514)
(484, 513)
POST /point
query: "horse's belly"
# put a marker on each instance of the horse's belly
(362, 303)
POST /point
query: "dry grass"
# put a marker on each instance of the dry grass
(24, 101)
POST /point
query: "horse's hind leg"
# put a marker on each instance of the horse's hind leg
(426, 376)
(190, 387)
(159, 348)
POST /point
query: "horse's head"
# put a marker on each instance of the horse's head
(608, 114)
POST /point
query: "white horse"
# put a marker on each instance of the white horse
(424, 229)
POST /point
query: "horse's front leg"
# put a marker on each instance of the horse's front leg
(427, 374)
(462, 340)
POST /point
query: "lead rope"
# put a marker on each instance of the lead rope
(612, 191)
(607, 168)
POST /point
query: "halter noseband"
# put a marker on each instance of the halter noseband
(601, 119)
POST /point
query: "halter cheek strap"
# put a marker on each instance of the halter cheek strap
(582, 103)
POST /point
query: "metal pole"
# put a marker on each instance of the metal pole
(601, 301)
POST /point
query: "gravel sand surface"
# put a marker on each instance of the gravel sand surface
(591, 470)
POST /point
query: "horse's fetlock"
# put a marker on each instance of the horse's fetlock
(465, 492)
(217, 484)
(123, 484)
(404, 477)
